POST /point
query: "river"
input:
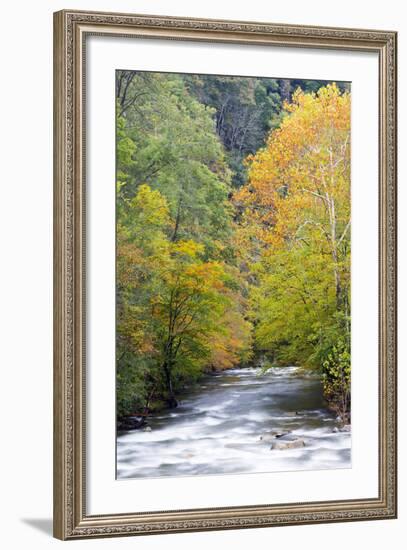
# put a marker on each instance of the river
(217, 428)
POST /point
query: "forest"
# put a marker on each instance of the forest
(233, 232)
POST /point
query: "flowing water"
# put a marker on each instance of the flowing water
(217, 428)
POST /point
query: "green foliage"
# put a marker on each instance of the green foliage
(245, 109)
(179, 154)
(296, 216)
(292, 303)
(179, 309)
(173, 304)
(336, 371)
(201, 270)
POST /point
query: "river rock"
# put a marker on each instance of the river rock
(274, 434)
(281, 445)
(147, 429)
(345, 428)
(283, 434)
(130, 423)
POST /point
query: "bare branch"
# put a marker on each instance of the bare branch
(344, 232)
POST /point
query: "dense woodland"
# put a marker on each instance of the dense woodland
(233, 232)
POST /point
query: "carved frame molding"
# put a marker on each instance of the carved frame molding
(70, 31)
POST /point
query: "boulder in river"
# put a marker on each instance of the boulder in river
(346, 428)
(282, 434)
(282, 444)
(130, 423)
(147, 429)
(274, 434)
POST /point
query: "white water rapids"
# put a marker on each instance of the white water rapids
(217, 428)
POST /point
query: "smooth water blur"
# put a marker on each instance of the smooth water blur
(217, 428)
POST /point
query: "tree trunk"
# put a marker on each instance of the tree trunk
(177, 221)
(171, 399)
(334, 251)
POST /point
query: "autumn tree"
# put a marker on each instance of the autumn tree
(198, 266)
(178, 313)
(189, 310)
(142, 255)
(295, 215)
(172, 143)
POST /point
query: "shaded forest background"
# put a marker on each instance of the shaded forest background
(233, 232)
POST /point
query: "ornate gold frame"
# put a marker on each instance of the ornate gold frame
(70, 518)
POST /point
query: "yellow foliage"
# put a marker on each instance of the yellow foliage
(188, 248)
(151, 206)
(302, 176)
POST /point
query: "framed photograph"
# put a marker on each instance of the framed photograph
(225, 274)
